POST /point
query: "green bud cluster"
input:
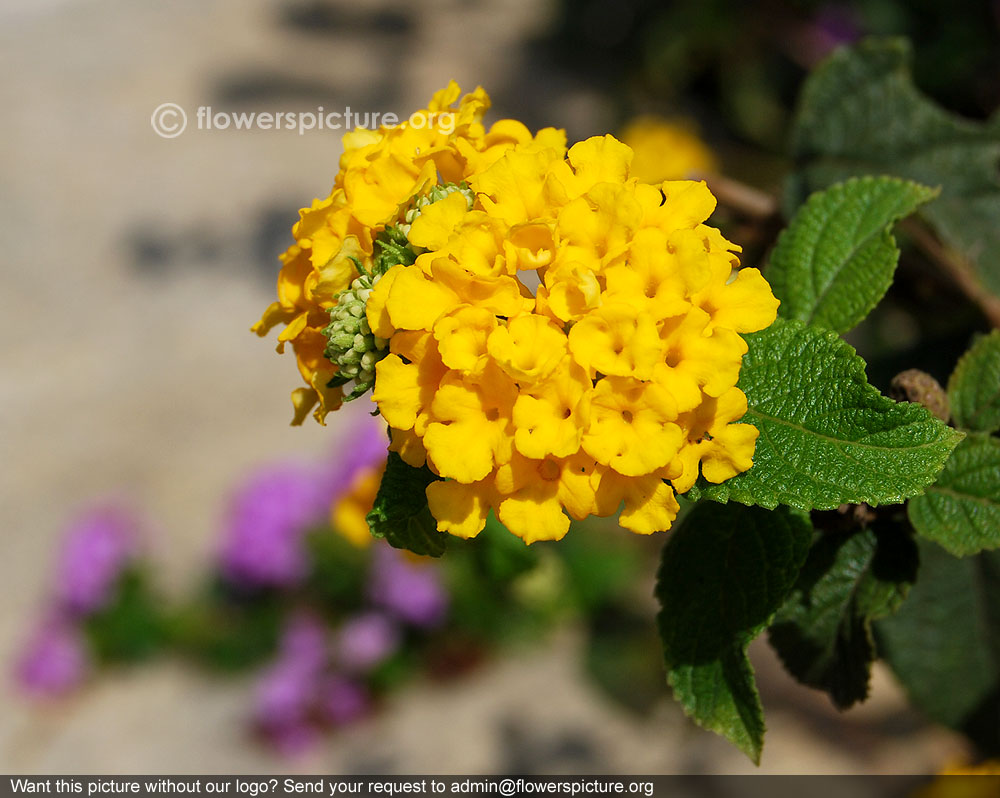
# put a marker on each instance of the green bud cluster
(351, 344)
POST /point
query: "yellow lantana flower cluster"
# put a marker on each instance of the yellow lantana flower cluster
(562, 338)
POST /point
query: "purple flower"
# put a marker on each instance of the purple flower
(304, 642)
(268, 518)
(411, 591)
(94, 552)
(55, 661)
(283, 705)
(343, 701)
(289, 690)
(366, 640)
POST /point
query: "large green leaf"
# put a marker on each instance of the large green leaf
(724, 572)
(860, 114)
(823, 633)
(827, 437)
(400, 513)
(974, 387)
(944, 642)
(961, 511)
(836, 259)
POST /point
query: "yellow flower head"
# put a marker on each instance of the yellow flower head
(666, 150)
(551, 336)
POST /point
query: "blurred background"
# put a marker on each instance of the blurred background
(135, 265)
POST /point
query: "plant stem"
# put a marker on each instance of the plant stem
(957, 267)
(739, 196)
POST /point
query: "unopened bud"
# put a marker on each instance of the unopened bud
(918, 386)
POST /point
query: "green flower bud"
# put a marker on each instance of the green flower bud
(351, 345)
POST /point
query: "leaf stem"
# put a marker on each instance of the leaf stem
(957, 267)
(739, 196)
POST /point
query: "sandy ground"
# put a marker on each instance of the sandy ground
(134, 266)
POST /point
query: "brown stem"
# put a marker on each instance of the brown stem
(739, 196)
(957, 267)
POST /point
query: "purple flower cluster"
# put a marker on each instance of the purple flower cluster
(412, 591)
(95, 551)
(55, 659)
(271, 513)
(268, 519)
(319, 677)
(301, 693)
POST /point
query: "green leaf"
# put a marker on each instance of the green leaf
(961, 511)
(860, 114)
(974, 387)
(621, 657)
(944, 642)
(823, 633)
(393, 249)
(400, 513)
(827, 437)
(836, 259)
(338, 570)
(227, 631)
(501, 557)
(725, 571)
(131, 626)
(601, 568)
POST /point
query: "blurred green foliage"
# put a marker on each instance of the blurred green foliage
(741, 64)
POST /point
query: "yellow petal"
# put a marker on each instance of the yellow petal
(471, 431)
(729, 453)
(578, 485)
(409, 447)
(599, 159)
(375, 309)
(529, 348)
(436, 223)
(676, 204)
(274, 315)
(631, 426)
(618, 340)
(338, 273)
(303, 400)
(459, 509)
(550, 420)
(398, 391)
(650, 506)
(349, 515)
(415, 302)
(744, 305)
(462, 334)
(532, 511)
